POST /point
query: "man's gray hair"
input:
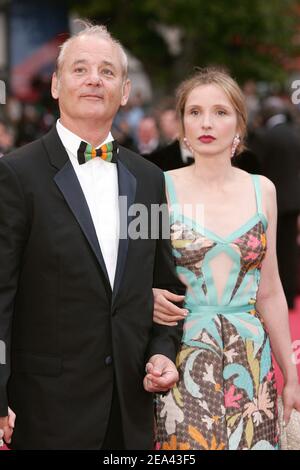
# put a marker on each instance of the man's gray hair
(93, 30)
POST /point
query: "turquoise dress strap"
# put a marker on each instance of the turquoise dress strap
(171, 190)
(258, 195)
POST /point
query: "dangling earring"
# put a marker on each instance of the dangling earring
(235, 144)
(188, 145)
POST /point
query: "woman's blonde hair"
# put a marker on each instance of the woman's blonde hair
(219, 77)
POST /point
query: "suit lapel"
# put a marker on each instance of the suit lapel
(127, 191)
(68, 183)
(69, 186)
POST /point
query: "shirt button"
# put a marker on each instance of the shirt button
(108, 360)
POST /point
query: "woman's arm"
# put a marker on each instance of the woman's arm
(272, 306)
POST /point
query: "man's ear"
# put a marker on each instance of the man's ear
(54, 86)
(125, 92)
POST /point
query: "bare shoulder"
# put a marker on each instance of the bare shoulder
(242, 175)
(178, 174)
(267, 186)
(269, 197)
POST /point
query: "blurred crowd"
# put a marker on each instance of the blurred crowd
(22, 122)
(152, 130)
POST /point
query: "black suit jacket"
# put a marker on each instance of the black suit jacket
(67, 333)
(168, 158)
(278, 149)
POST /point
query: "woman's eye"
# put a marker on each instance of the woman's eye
(221, 112)
(194, 112)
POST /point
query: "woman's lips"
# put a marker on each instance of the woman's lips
(207, 139)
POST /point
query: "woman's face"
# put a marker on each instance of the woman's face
(210, 121)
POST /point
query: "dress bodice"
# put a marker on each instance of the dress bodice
(218, 271)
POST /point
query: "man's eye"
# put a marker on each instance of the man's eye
(79, 69)
(107, 72)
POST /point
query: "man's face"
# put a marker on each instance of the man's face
(90, 82)
(169, 124)
(147, 130)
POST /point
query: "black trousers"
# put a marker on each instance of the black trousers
(287, 253)
(114, 438)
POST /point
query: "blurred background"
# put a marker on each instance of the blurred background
(257, 42)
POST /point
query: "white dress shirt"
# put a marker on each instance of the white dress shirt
(275, 120)
(99, 182)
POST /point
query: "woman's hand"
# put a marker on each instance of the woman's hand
(291, 399)
(7, 424)
(165, 312)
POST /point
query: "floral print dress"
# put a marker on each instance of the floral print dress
(226, 395)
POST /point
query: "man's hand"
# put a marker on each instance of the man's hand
(161, 374)
(165, 311)
(7, 424)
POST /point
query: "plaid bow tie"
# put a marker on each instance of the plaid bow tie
(107, 152)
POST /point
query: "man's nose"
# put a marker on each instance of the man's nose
(94, 78)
